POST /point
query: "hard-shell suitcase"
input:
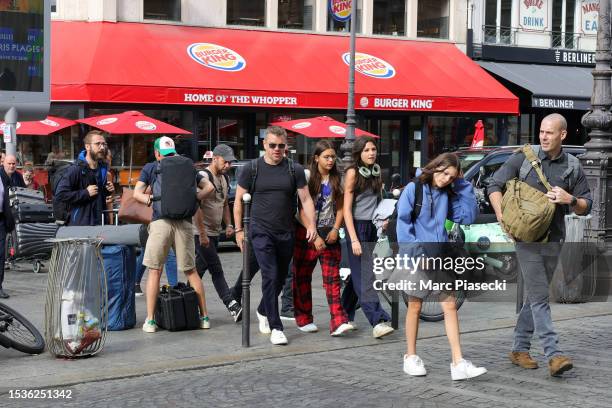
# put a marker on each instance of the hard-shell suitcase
(29, 239)
(170, 312)
(120, 267)
(190, 303)
(25, 195)
(26, 212)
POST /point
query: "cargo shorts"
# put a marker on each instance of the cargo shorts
(165, 234)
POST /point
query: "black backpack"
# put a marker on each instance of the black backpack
(174, 188)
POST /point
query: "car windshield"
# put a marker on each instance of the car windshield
(469, 159)
(233, 173)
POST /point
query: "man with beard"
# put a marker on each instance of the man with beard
(83, 187)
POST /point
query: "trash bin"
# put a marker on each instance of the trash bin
(76, 309)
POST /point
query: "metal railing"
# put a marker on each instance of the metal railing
(508, 36)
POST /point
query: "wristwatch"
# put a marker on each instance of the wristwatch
(574, 201)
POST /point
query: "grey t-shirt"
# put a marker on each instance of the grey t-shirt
(273, 197)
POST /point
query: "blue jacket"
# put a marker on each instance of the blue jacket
(72, 189)
(429, 226)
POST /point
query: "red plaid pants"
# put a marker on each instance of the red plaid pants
(305, 258)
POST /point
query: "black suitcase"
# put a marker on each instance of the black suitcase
(26, 212)
(177, 308)
(25, 195)
(28, 240)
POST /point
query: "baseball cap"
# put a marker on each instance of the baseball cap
(224, 151)
(164, 145)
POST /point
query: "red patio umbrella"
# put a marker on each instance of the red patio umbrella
(320, 127)
(479, 136)
(131, 122)
(42, 127)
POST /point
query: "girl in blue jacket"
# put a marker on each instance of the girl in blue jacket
(446, 195)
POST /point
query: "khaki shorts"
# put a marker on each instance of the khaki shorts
(165, 234)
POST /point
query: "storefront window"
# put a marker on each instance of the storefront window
(296, 14)
(389, 148)
(246, 12)
(389, 17)
(333, 25)
(231, 131)
(563, 30)
(497, 29)
(162, 10)
(432, 18)
(53, 6)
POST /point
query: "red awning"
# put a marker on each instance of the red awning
(170, 64)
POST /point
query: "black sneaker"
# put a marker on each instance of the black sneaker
(3, 294)
(138, 290)
(235, 310)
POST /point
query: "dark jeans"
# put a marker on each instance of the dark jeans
(2, 248)
(273, 252)
(208, 258)
(360, 285)
(287, 294)
(236, 290)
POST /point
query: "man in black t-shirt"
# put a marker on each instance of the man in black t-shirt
(273, 190)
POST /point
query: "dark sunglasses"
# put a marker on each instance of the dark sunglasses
(275, 145)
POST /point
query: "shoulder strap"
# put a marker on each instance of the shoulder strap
(211, 179)
(253, 175)
(526, 165)
(227, 182)
(292, 173)
(418, 200)
(531, 157)
(573, 168)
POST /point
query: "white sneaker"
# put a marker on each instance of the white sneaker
(343, 328)
(309, 328)
(264, 327)
(382, 329)
(149, 326)
(413, 365)
(464, 369)
(204, 322)
(278, 337)
(353, 326)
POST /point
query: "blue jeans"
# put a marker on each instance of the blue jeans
(537, 268)
(171, 271)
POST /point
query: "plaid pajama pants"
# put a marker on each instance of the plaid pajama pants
(304, 261)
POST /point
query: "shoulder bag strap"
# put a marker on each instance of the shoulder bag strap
(535, 163)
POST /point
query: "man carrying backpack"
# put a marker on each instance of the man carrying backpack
(214, 209)
(81, 190)
(551, 182)
(173, 182)
(273, 182)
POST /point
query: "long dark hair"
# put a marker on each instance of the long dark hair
(314, 183)
(362, 183)
(440, 163)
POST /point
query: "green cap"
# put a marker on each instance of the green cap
(164, 145)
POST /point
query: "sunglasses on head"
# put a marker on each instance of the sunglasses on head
(275, 145)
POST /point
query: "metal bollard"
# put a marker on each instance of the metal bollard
(246, 273)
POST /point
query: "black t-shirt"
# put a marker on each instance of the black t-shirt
(273, 205)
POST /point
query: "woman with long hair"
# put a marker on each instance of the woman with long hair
(445, 195)
(362, 193)
(325, 187)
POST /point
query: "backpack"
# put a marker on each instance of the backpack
(573, 168)
(211, 178)
(253, 168)
(418, 200)
(174, 188)
(61, 209)
(526, 211)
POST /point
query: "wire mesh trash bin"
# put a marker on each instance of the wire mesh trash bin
(76, 309)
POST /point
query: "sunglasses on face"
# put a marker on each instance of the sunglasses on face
(275, 145)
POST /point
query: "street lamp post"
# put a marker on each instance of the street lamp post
(597, 161)
(347, 145)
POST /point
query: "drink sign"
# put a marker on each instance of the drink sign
(533, 15)
(340, 10)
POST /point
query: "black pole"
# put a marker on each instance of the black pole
(246, 273)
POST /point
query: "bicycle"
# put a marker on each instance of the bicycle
(17, 332)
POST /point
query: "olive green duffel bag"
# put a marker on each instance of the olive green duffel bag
(526, 211)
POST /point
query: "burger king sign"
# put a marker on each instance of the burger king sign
(216, 57)
(370, 65)
(340, 10)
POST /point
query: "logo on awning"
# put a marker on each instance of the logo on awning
(216, 57)
(301, 125)
(370, 65)
(49, 122)
(106, 121)
(145, 125)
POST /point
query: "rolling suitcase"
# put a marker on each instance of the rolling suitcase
(26, 212)
(190, 304)
(25, 195)
(120, 267)
(28, 240)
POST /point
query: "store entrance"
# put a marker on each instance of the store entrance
(227, 128)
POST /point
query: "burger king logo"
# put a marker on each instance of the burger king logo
(340, 10)
(145, 125)
(216, 57)
(339, 130)
(106, 121)
(301, 125)
(4, 126)
(364, 102)
(370, 65)
(49, 122)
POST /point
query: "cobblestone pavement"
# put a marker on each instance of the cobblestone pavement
(371, 376)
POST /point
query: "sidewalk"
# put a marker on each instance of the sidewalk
(134, 353)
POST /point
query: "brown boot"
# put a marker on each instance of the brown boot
(523, 359)
(559, 364)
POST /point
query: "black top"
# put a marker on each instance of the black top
(15, 179)
(553, 169)
(273, 205)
